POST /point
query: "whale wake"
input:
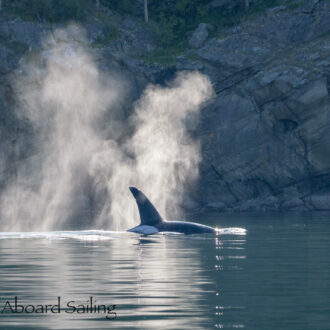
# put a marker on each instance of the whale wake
(94, 235)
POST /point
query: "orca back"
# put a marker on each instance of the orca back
(148, 214)
(185, 227)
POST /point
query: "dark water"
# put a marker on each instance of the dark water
(276, 276)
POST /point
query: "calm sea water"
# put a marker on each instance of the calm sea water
(276, 275)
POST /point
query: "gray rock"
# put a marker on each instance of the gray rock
(282, 77)
(309, 6)
(314, 56)
(4, 29)
(323, 63)
(250, 156)
(8, 59)
(185, 64)
(293, 203)
(287, 28)
(271, 203)
(199, 36)
(216, 206)
(29, 33)
(301, 208)
(237, 51)
(249, 205)
(268, 77)
(315, 92)
(319, 201)
(276, 10)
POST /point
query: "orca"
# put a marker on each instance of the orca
(152, 222)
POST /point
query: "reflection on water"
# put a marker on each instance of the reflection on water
(274, 275)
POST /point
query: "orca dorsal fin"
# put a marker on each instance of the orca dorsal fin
(148, 213)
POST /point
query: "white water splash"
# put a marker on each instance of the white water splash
(102, 235)
(85, 235)
(231, 231)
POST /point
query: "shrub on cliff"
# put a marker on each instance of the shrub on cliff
(54, 11)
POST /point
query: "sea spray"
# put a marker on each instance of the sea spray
(77, 176)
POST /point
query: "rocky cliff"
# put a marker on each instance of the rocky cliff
(265, 137)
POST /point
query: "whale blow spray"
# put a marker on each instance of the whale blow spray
(83, 157)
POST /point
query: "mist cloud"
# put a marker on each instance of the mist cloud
(78, 176)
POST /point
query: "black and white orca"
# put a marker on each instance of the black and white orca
(152, 222)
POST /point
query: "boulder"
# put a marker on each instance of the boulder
(199, 36)
(216, 206)
(293, 203)
(309, 6)
(319, 201)
(276, 10)
(237, 51)
(315, 92)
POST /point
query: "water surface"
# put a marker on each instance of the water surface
(261, 271)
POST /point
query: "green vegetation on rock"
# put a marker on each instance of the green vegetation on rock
(171, 21)
(110, 30)
(53, 11)
(163, 56)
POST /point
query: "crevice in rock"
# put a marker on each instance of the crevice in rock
(220, 176)
(285, 126)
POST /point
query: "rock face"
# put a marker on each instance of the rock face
(266, 142)
(265, 136)
(259, 149)
(199, 36)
